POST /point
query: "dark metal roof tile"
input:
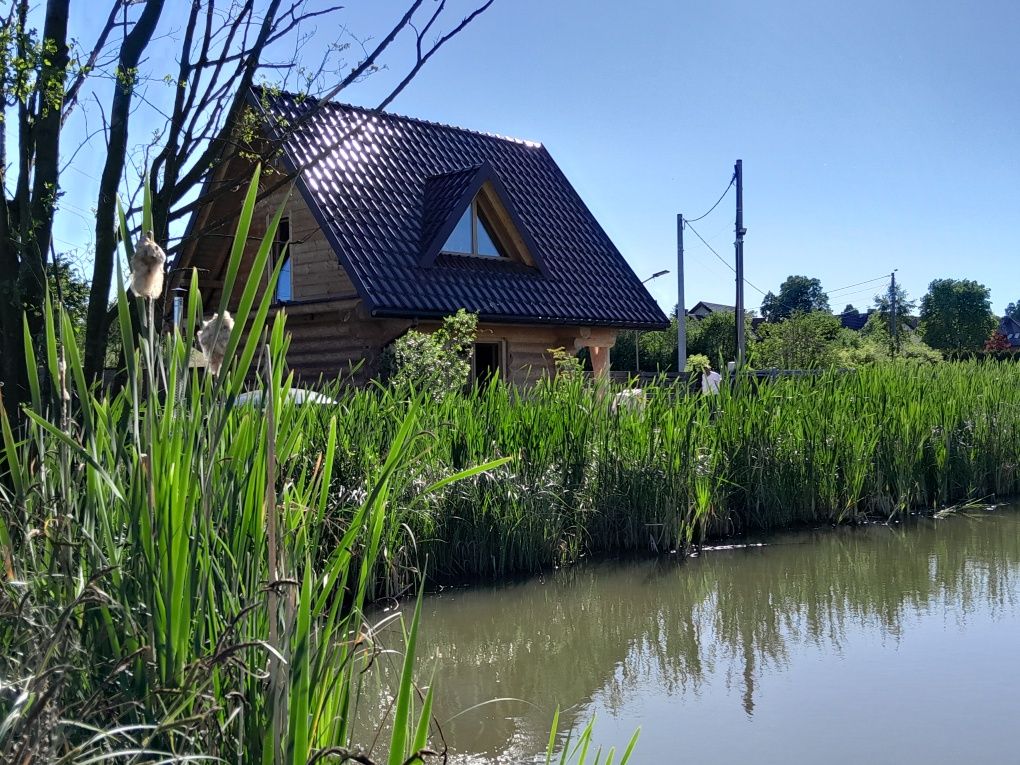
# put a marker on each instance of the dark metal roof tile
(377, 195)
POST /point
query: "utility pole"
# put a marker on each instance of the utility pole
(892, 323)
(681, 304)
(738, 171)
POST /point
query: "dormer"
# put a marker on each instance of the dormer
(467, 214)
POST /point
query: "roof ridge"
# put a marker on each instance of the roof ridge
(298, 97)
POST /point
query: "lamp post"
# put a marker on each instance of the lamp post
(637, 332)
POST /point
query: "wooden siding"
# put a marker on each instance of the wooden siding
(315, 271)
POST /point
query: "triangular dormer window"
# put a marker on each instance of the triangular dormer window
(472, 235)
(468, 214)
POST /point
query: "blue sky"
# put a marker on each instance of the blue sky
(874, 135)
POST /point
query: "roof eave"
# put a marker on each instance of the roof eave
(504, 318)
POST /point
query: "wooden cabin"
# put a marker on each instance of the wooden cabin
(394, 223)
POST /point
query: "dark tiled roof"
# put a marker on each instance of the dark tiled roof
(383, 191)
(714, 307)
(855, 322)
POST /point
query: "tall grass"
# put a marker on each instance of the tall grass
(179, 581)
(873, 444)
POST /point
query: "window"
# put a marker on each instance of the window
(473, 235)
(487, 361)
(281, 249)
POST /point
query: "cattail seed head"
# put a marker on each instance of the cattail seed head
(213, 337)
(147, 268)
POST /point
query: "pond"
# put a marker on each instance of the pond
(875, 644)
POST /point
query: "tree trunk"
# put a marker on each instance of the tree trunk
(96, 325)
(26, 221)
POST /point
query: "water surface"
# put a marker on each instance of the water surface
(881, 645)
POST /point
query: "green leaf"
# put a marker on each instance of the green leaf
(146, 206)
(77, 449)
(467, 473)
(244, 219)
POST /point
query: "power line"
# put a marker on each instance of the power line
(733, 179)
(883, 277)
(711, 249)
(851, 294)
(761, 291)
(722, 259)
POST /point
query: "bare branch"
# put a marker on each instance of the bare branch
(72, 93)
(423, 59)
(370, 60)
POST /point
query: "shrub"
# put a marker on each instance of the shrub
(567, 365)
(698, 362)
(436, 362)
(804, 341)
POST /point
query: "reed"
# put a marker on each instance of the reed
(179, 581)
(581, 480)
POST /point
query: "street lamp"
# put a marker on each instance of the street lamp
(637, 332)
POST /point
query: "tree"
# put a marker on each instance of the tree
(716, 337)
(33, 76)
(872, 345)
(657, 349)
(849, 310)
(70, 289)
(956, 315)
(904, 307)
(1013, 310)
(803, 341)
(796, 294)
(188, 76)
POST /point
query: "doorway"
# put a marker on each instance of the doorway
(488, 361)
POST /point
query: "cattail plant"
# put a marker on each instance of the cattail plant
(214, 337)
(147, 265)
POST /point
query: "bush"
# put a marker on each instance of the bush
(697, 362)
(436, 362)
(872, 345)
(804, 341)
(715, 336)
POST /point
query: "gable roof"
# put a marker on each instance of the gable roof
(713, 307)
(446, 199)
(388, 186)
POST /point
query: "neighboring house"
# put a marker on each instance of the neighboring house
(1011, 329)
(857, 322)
(854, 321)
(702, 309)
(404, 222)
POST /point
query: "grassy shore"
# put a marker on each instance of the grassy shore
(838, 448)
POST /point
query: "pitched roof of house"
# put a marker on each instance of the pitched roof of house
(1011, 329)
(854, 321)
(714, 307)
(389, 186)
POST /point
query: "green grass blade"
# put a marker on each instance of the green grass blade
(402, 710)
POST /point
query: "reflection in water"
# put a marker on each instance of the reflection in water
(678, 648)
